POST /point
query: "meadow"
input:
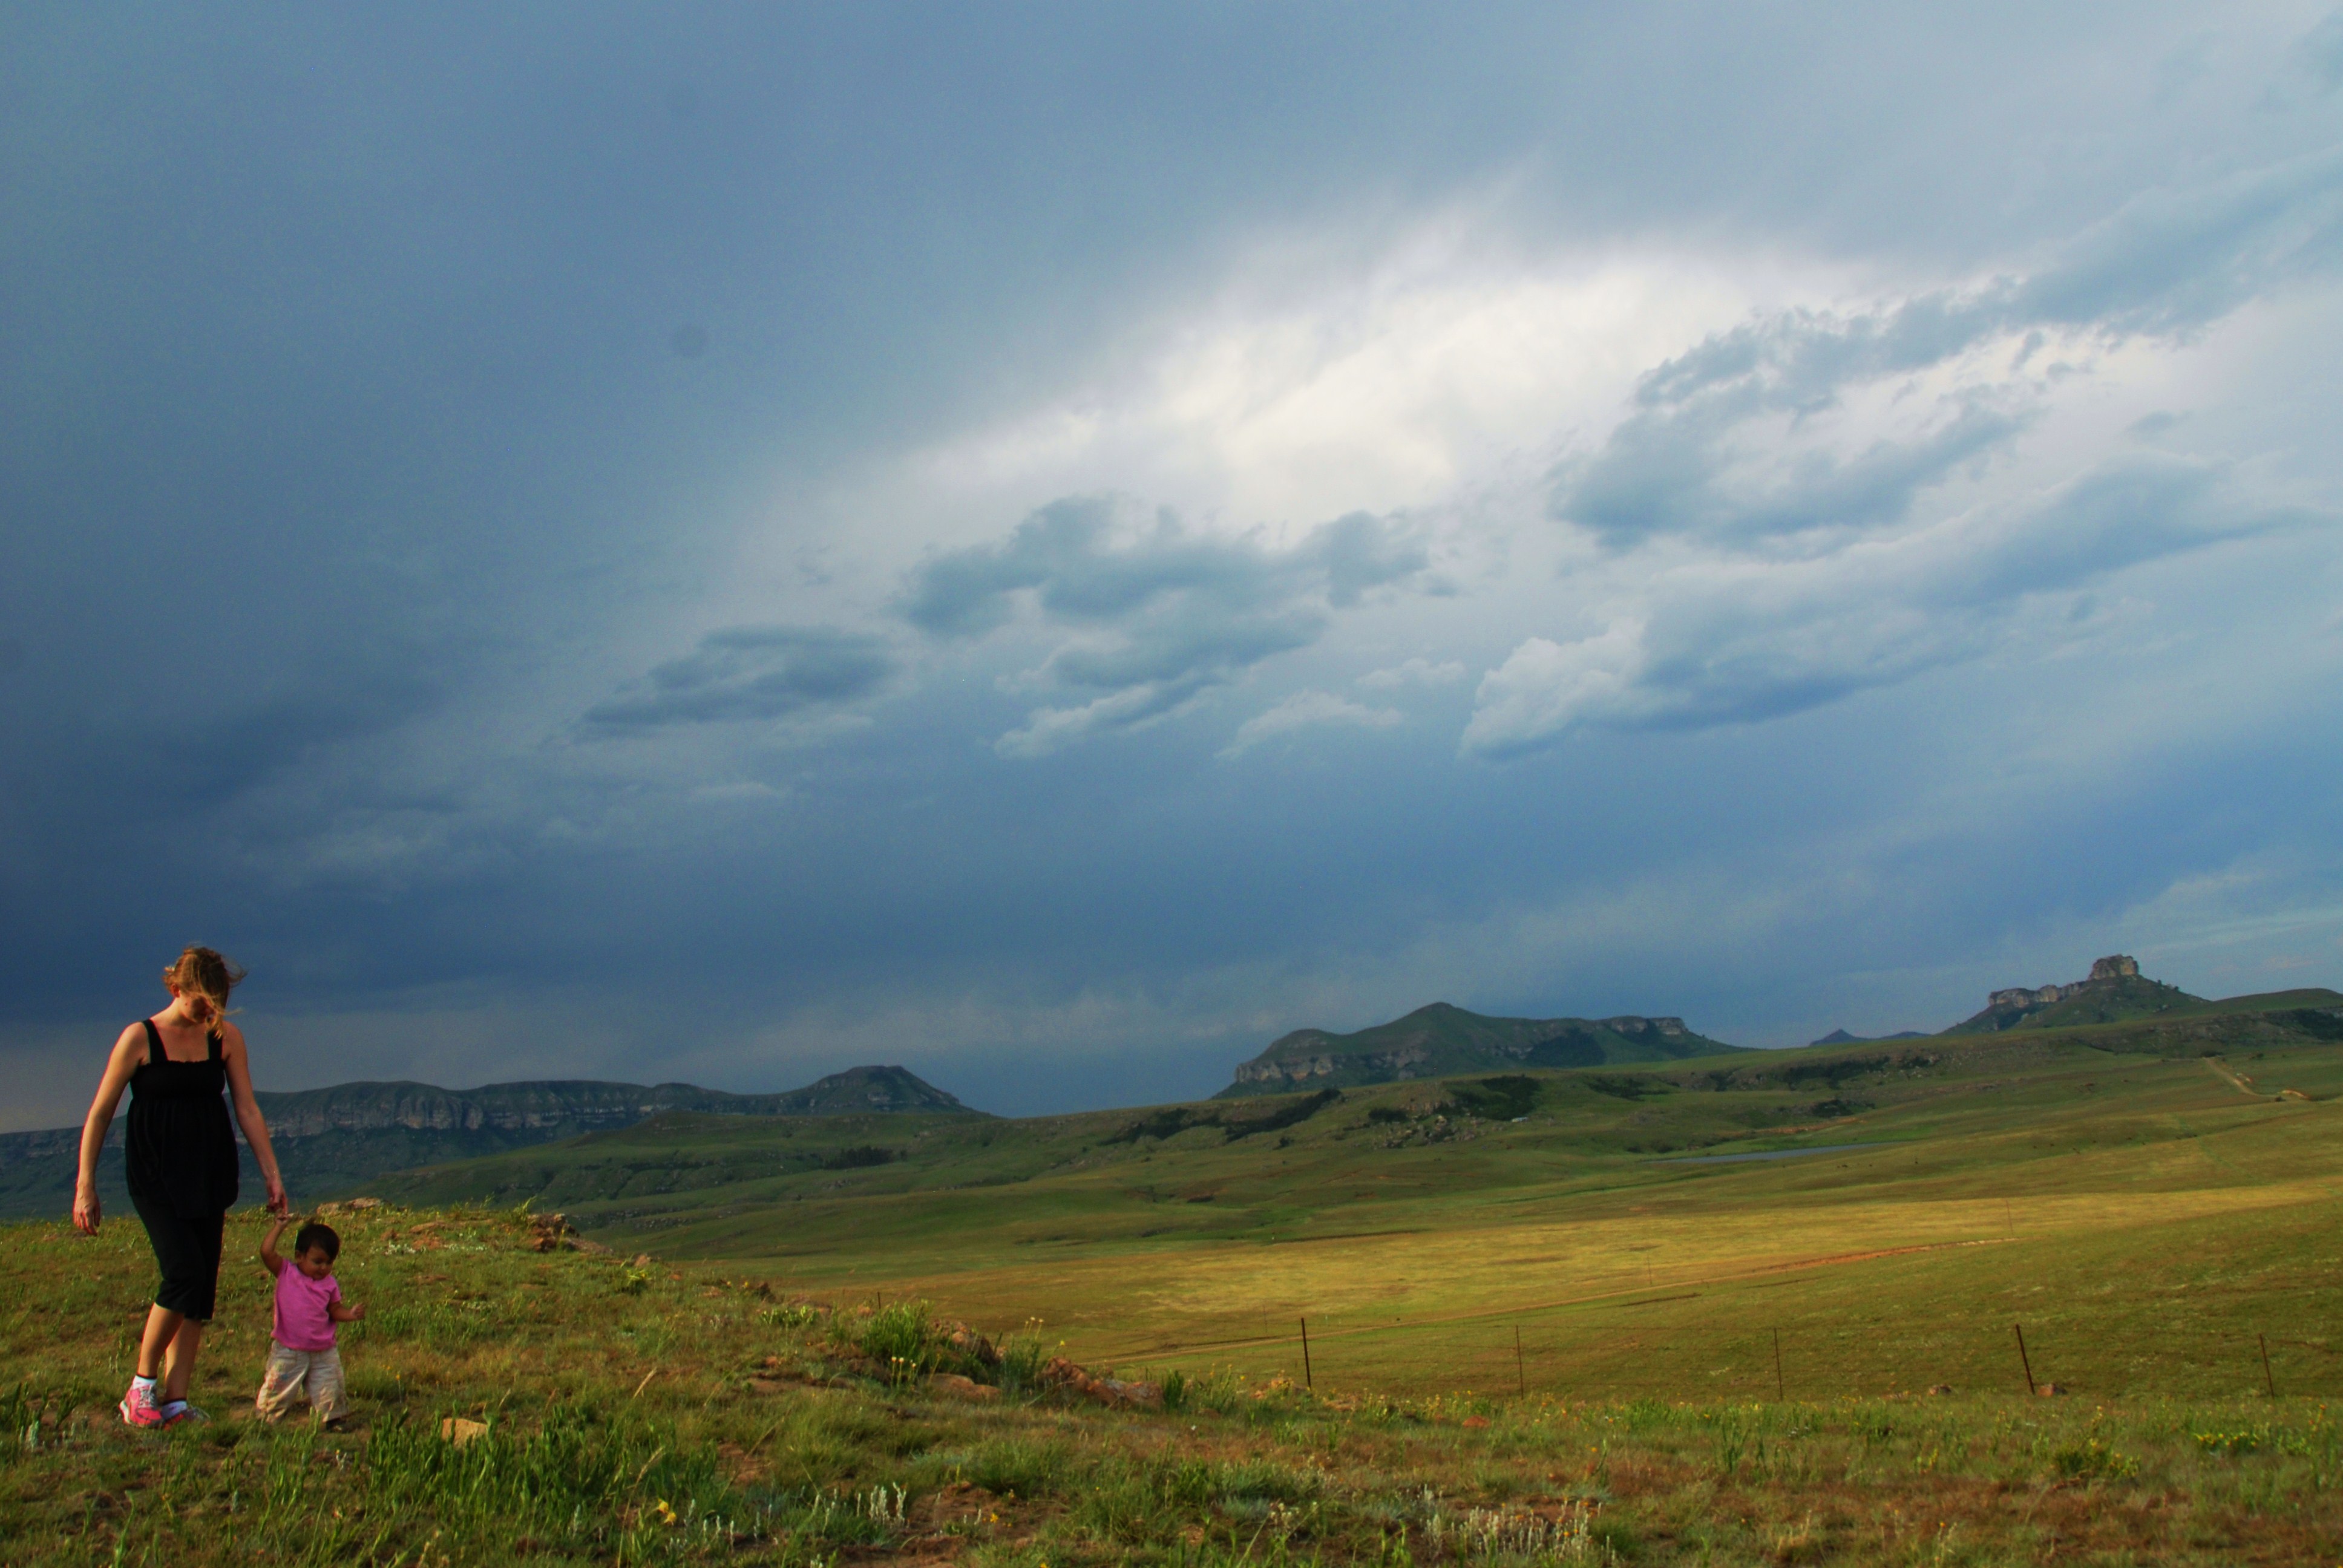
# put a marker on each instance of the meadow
(1539, 1331)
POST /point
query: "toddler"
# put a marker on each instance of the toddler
(308, 1305)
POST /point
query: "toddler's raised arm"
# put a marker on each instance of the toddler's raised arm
(268, 1257)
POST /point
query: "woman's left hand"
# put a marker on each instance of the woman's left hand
(277, 1203)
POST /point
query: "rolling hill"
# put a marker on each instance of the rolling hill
(328, 1140)
(1440, 1040)
(932, 1193)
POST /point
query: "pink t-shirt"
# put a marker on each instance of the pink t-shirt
(302, 1320)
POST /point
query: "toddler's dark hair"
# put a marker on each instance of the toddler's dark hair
(316, 1234)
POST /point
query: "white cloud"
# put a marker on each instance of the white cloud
(1416, 671)
(1303, 711)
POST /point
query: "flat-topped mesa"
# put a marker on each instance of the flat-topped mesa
(1437, 1041)
(2115, 991)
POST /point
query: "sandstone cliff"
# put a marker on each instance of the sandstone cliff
(2114, 992)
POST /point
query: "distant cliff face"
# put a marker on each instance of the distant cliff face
(331, 1140)
(2121, 966)
(2114, 992)
(1441, 1040)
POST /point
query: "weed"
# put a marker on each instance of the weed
(2091, 1459)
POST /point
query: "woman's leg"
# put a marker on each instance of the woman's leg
(179, 1359)
(162, 1335)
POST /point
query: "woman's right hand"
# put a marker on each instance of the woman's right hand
(85, 1209)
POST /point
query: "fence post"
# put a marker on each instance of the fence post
(1521, 1372)
(1307, 1381)
(2269, 1382)
(1781, 1389)
(2022, 1359)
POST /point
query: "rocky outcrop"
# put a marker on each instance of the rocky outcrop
(2115, 991)
(2120, 966)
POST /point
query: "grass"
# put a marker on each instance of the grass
(698, 1419)
(1530, 1341)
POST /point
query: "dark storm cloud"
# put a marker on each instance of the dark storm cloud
(1162, 613)
(750, 673)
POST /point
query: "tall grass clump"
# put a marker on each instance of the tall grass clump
(905, 1342)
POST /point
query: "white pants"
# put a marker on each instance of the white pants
(289, 1371)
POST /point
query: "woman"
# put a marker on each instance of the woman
(180, 1159)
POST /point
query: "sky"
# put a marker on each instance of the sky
(1055, 544)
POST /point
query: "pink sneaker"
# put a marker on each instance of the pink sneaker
(139, 1407)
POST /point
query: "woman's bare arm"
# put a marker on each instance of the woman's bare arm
(248, 1114)
(128, 1052)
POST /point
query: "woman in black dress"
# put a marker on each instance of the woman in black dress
(180, 1158)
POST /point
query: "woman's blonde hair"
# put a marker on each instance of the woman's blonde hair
(202, 971)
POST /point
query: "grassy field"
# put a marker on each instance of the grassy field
(1551, 1320)
(638, 1413)
(1422, 1231)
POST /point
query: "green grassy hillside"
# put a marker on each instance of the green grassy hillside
(1440, 1041)
(1553, 1202)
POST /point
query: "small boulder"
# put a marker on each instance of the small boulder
(1940, 1388)
(550, 1233)
(1060, 1373)
(454, 1429)
(951, 1385)
(2050, 1389)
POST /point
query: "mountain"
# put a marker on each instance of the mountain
(1369, 1165)
(1840, 1037)
(1438, 1040)
(328, 1140)
(2114, 992)
(859, 1091)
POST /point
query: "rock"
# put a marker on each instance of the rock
(951, 1385)
(1060, 1373)
(1476, 1424)
(970, 1343)
(642, 1260)
(454, 1429)
(550, 1233)
(1940, 1388)
(2292, 1094)
(360, 1203)
(2050, 1389)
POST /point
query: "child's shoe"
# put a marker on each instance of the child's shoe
(139, 1407)
(179, 1410)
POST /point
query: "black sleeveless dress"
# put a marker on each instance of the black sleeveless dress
(179, 1159)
